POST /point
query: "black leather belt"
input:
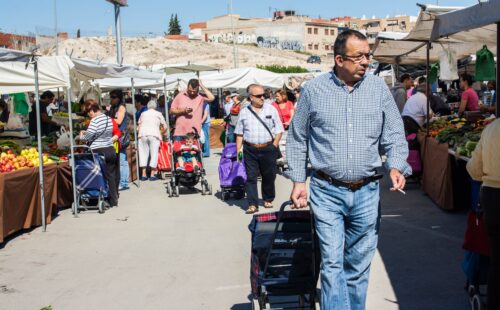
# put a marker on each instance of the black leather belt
(351, 185)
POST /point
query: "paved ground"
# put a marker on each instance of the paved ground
(155, 252)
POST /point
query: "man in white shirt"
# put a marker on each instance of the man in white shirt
(415, 110)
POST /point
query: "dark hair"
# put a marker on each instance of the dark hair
(91, 105)
(226, 93)
(118, 93)
(468, 78)
(268, 93)
(404, 77)
(190, 136)
(193, 83)
(3, 104)
(47, 95)
(422, 80)
(339, 47)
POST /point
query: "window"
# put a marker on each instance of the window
(332, 32)
(326, 32)
(309, 30)
(315, 30)
(310, 46)
(327, 47)
(316, 46)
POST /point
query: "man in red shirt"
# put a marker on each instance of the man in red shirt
(188, 108)
(470, 100)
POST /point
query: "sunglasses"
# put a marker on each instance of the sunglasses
(258, 96)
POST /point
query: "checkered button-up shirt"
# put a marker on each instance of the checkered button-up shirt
(344, 132)
(252, 129)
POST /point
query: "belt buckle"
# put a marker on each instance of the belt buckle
(354, 186)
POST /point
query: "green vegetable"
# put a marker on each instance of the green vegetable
(471, 145)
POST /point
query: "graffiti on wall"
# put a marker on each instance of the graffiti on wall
(261, 41)
(275, 42)
(228, 38)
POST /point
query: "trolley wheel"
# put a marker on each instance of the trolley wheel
(203, 189)
(169, 190)
(476, 302)
(255, 304)
(210, 189)
(101, 206)
(177, 191)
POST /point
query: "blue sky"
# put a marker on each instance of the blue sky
(151, 16)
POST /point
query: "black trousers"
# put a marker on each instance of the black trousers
(263, 161)
(490, 198)
(111, 172)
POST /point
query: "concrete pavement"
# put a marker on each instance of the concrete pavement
(193, 252)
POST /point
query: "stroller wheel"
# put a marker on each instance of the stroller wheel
(169, 190)
(203, 189)
(210, 189)
(101, 206)
(177, 191)
(476, 302)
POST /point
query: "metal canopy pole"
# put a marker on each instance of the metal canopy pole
(136, 142)
(497, 91)
(118, 32)
(427, 88)
(72, 153)
(167, 120)
(39, 139)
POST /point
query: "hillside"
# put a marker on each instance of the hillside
(149, 51)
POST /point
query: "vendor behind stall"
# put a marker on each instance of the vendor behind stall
(470, 99)
(4, 111)
(47, 125)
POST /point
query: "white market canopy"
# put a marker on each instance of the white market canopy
(90, 70)
(464, 40)
(16, 77)
(186, 67)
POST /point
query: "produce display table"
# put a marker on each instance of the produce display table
(444, 177)
(20, 196)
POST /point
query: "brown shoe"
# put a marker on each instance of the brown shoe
(252, 209)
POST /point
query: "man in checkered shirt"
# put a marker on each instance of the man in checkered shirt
(344, 121)
(259, 146)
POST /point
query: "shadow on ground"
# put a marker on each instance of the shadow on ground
(421, 248)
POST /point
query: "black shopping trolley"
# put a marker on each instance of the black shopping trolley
(91, 186)
(284, 260)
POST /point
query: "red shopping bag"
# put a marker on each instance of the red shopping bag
(164, 157)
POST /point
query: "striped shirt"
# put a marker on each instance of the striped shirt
(344, 132)
(252, 129)
(99, 132)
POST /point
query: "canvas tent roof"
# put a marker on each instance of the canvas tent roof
(89, 70)
(53, 72)
(412, 48)
(186, 67)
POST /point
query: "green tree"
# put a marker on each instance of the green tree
(283, 69)
(174, 26)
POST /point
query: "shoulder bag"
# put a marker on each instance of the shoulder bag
(278, 152)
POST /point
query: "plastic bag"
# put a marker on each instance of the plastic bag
(63, 140)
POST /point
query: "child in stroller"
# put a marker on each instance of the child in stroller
(188, 153)
(188, 169)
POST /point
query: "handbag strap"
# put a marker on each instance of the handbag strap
(261, 121)
(102, 132)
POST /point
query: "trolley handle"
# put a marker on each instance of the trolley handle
(273, 238)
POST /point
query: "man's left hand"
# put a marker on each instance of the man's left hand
(398, 180)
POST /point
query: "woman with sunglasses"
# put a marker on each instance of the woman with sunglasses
(118, 112)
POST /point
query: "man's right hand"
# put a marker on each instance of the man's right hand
(299, 195)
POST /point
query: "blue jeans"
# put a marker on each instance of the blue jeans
(347, 225)
(124, 170)
(206, 145)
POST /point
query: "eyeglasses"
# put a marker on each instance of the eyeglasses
(113, 97)
(258, 96)
(358, 58)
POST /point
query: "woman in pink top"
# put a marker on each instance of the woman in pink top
(470, 100)
(285, 107)
(149, 139)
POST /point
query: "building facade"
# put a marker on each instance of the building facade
(17, 42)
